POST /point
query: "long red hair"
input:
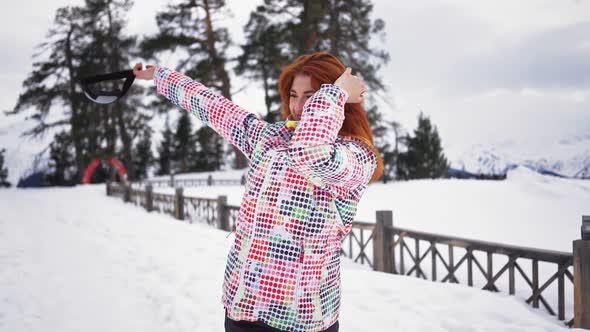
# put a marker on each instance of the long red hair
(325, 68)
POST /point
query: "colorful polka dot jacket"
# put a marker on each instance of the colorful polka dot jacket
(301, 195)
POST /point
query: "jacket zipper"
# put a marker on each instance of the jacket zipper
(300, 261)
(298, 282)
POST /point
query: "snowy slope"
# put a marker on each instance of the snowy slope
(81, 261)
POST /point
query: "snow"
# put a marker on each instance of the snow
(74, 259)
(527, 209)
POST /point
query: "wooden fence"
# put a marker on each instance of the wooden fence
(424, 255)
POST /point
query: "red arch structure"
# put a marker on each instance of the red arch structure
(114, 162)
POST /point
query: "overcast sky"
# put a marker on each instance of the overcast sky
(484, 71)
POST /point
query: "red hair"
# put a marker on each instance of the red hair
(324, 68)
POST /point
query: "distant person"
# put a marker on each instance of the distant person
(306, 177)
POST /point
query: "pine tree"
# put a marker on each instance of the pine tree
(113, 49)
(281, 30)
(84, 41)
(143, 157)
(262, 58)
(341, 27)
(3, 171)
(61, 170)
(165, 151)
(204, 43)
(184, 144)
(272, 41)
(392, 151)
(188, 26)
(345, 31)
(349, 31)
(52, 80)
(424, 157)
(209, 156)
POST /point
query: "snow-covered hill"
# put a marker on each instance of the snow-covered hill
(76, 260)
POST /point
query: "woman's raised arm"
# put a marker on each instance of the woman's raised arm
(239, 127)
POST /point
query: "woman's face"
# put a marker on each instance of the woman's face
(301, 90)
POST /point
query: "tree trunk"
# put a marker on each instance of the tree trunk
(118, 111)
(219, 63)
(334, 28)
(310, 19)
(75, 118)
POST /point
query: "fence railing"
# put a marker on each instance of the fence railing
(357, 244)
(429, 256)
(402, 246)
(192, 182)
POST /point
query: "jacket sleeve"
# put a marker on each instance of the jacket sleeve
(313, 149)
(239, 127)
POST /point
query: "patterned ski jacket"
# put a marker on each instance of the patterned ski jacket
(301, 195)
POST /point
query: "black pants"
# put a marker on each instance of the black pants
(245, 326)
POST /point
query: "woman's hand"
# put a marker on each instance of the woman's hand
(353, 85)
(143, 74)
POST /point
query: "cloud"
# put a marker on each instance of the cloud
(464, 47)
(426, 40)
(483, 70)
(555, 59)
(489, 71)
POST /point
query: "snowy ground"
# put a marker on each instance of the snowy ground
(76, 260)
(528, 209)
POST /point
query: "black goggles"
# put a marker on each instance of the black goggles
(111, 95)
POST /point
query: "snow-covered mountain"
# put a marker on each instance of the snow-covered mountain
(568, 157)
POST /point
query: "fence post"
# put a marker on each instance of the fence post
(126, 192)
(382, 242)
(171, 184)
(108, 188)
(179, 204)
(222, 213)
(149, 197)
(582, 277)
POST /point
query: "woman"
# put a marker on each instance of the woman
(306, 176)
